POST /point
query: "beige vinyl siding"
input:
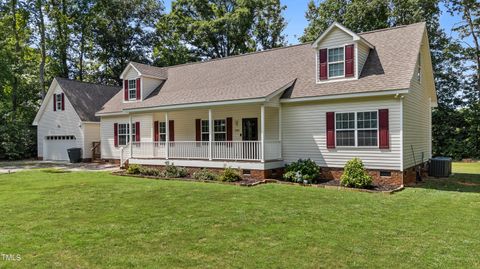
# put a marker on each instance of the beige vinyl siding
(336, 38)
(108, 149)
(91, 134)
(417, 126)
(148, 85)
(184, 124)
(362, 51)
(60, 122)
(304, 133)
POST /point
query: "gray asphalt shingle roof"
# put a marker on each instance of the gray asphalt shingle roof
(390, 66)
(87, 98)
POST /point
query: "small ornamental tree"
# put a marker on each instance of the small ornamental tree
(355, 175)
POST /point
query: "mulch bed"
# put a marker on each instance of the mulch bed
(247, 182)
(250, 182)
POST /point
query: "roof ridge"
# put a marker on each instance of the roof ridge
(391, 28)
(229, 57)
(86, 82)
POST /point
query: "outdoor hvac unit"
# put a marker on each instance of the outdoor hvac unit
(440, 167)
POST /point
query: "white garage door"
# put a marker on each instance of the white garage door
(55, 147)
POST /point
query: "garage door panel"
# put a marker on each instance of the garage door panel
(55, 147)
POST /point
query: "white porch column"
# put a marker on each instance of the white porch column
(280, 128)
(130, 130)
(262, 132)
(210, 135)
(167, 136)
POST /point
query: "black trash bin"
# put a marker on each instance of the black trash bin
(75, 155)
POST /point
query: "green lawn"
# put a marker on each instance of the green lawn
(96, 220)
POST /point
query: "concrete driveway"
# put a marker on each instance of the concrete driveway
(13, 166)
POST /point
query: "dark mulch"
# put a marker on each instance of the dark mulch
(382, 188)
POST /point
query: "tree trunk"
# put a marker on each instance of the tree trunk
(16, 60)
(41, 27)
(82, 52)
(468, 17)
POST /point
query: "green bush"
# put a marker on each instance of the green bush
(355, 175)
(151, 172)
(230, 175)
(302, 170)
(204, 174)
(134, 169)
(175, 172)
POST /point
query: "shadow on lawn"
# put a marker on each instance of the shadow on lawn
(458, 182)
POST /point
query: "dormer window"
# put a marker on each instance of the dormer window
(336, 62)
(58, 102)
(132, 89)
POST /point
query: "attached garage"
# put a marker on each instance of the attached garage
(56, 147)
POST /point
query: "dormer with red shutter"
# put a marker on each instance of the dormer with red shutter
(139, 81)
(340, 54)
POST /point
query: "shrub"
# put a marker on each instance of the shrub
(150, 171)
(302, 170)
(230, 175)
(134, 169)
(175, 172)
(355, 175)
(204, 174)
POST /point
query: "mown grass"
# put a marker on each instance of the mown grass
(97, 220)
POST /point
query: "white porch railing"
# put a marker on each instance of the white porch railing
(220, 150)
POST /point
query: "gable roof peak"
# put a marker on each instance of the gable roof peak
(338, 25)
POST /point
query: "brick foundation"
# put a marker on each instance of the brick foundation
(257, 174)
(112, 161)
(395, 177)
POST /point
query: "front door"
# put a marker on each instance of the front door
(250, 129)
(250, 133)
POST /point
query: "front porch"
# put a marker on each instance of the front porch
(240, 136)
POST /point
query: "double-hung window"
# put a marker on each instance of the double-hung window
(123, 134)
(357, 129)
(205, 130)
(336, 62)
(220, 130)
(162, 131)
(367, 128)
(132, 89)
(58, 100)
(345, 126)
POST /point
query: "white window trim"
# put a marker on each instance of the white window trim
(58, 101)
(216, 132)
(336, 79)
(160, 133)
(336, 62)
(201, 130)
(356, 130)
(134, 89)
(127, 134)
(131, 129)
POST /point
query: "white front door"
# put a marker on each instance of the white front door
(55, 147)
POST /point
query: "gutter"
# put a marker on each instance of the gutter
(344, 96)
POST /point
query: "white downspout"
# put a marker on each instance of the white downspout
(262, 132)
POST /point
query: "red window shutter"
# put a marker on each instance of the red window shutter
(137, 131)
(171, 130)
(115, 134)
(63, 101)
(349, 61)
(198, 136)
(229, 129)
(330, 130)
(384, 142)
(125, 89)
(155, 131)
(54, 102)
(138, 88)
(322, 63)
